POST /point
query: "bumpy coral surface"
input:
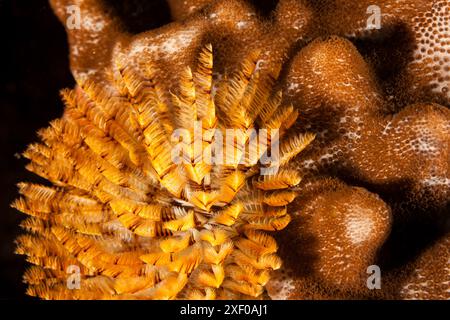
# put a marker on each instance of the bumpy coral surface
(377, 177)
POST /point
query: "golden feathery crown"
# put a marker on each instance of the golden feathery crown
(136, 224)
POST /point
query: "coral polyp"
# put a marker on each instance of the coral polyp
(136, 221)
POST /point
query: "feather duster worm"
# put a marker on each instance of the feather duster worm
(136, 224)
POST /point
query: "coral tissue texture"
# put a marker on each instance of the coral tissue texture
(376, 178)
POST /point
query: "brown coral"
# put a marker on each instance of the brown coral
(375, 98)
(337, 234)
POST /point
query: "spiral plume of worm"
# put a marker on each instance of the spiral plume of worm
(140, 226)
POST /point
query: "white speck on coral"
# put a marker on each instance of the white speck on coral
(297, 24)
(436, 181)
(84, 75)
(74, 50)
(241, 24)
(92, 23)
(259, 64)
(387, 128)
(424, 144)
(177, 42)
(292, 86)
(326, 156)
(358, 225)
(308, 164)
(286, 287)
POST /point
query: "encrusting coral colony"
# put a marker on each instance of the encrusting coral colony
(364, 163)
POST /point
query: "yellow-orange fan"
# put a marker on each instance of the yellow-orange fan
(136, 224)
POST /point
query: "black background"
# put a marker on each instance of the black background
(34, 68)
